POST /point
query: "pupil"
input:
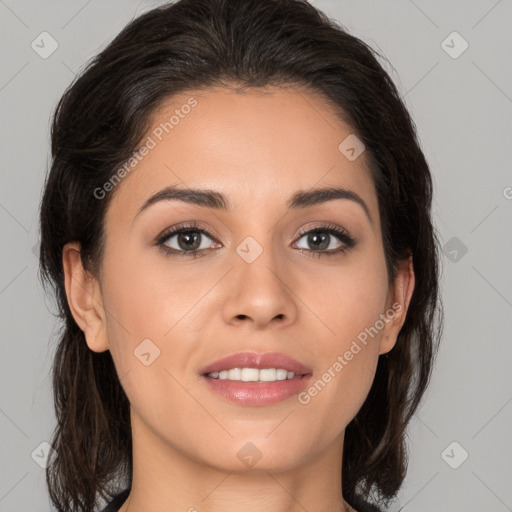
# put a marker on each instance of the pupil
(185, 238)
(313, 238)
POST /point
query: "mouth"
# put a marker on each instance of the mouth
(253, 379)
(250, 362)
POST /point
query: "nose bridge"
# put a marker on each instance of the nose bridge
(257, 244)
(259, 260)
(261, 290)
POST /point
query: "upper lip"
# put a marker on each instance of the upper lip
(255, 360)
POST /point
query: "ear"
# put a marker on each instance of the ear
(398, 301)
(84, 298)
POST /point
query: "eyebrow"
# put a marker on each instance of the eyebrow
(212, 199)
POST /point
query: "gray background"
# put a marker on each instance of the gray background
(462, 109)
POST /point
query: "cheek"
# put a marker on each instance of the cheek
(349, 298)
(143, 293)
(152, 308)
(350, 303)
(148, 326)
(336, 394)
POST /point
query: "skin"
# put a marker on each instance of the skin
(257, 148)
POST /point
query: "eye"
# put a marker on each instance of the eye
(188, 241)
(321, 238)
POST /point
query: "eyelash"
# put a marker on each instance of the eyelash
(331, 229)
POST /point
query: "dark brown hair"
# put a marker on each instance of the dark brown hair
(98, 124)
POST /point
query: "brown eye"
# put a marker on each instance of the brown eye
(189, 240)
(320, 238)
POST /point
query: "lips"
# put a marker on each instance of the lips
(255, 360)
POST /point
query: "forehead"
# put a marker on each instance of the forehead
(255, 147)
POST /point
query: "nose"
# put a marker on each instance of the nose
(260, 292)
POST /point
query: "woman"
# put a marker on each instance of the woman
(237, 227)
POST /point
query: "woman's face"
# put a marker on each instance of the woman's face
(258, 285)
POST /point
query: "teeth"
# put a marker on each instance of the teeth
(253, 374)
(234, 374)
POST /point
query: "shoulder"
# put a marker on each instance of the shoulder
(117, 501)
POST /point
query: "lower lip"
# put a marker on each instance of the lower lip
(257, 393)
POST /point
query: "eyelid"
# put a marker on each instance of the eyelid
(192, 225)
(322, 226)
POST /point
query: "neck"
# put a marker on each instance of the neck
(166, 480)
